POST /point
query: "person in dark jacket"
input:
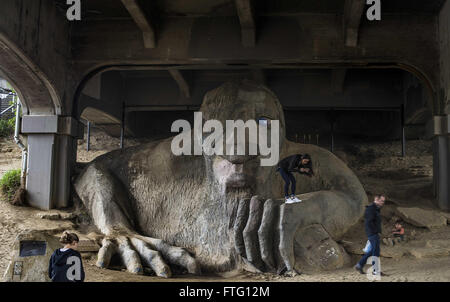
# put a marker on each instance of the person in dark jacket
(300, 163)
(65, 264)
(372, 225)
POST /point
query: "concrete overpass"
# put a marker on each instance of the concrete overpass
(127, 59)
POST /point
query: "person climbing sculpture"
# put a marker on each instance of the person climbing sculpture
(300, 163)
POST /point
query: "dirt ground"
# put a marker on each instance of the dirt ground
(405, 181)
(10, 156)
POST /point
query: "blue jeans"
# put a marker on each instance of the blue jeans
(373, 251)
(289, 179)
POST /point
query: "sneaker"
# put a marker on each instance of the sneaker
(295, 199)
(359, 269)
(289, 200)
(381, 274)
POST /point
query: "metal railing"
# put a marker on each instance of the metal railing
(8, 112)
(10, 108)
(309, 138)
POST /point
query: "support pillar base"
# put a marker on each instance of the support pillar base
(51, 154)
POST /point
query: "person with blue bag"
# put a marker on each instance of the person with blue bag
(372, 225)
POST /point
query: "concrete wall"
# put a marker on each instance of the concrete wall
(408, 41)
(35, 54)
(362, 88)
(444, 43)
(349, 124)
(416, 100)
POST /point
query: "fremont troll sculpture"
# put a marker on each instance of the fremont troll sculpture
(216, 213)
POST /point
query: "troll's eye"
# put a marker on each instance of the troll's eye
(264, 121)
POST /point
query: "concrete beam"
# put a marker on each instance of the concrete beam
(353, 10)
(142, 22)
(362, 89)
(338, 80)
(438, 125)
(182, 84)
(50, 124)
(247, 21)
(418, 117)
(390, 44)
(114, 43)
(259, 76)
(36, 93)
(97, 116)
(88, 104)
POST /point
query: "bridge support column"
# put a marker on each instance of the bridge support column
(439, 127)
(52, 146)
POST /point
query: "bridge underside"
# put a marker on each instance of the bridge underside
(132, 67)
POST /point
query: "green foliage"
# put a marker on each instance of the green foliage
(13, 102)
(7, 127)
(10, 183)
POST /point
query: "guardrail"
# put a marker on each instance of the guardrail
(7, 112)
(10, 108)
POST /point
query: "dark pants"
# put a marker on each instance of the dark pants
(374, 251)
(402, 237)
(288, 179)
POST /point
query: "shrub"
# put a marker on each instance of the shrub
(7, 127)
(10, 183)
